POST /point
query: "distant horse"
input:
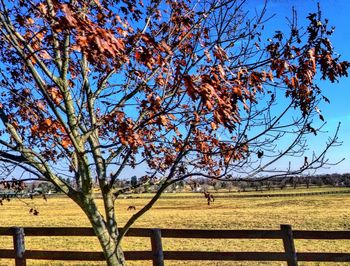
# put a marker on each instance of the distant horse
(131, 207)
(209, 197)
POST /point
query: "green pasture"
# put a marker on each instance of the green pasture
(319, 212)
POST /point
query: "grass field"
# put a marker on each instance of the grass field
(321, 212)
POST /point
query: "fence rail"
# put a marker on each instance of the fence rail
(158, 255)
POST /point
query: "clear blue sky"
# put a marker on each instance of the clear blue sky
(338, 13)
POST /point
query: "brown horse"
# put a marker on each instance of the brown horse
(209, 197)
(131, 207)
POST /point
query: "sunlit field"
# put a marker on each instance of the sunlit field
(320, 212)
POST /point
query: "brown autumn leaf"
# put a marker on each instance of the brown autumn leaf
(65, 142)
(294, 82)
(164, 46)
(69, 15)
(213, 126)
(220, 53)
(221, 71)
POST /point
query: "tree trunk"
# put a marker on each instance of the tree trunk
(113, 253)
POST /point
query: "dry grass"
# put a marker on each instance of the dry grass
(324, 212)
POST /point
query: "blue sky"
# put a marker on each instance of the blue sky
(338, 13)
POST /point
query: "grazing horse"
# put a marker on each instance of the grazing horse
(131, 207)
(209, 197)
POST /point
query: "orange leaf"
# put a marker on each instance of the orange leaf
(237, 91)
(221, 71)
(163, 120)
(166, 47)
(34, 129)
(65, 143)
(294, 82)
(220, 54)
(41, 106)
(213, 125)
(30, 21)
(48, 121)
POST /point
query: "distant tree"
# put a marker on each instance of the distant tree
(224, 184)
(283, 183)
(269, 185)
(307, 181)
(46, 187)
(181, 185)
(194, 185)
(205, 187)
(178, 89)
(318, 181)
(119, 184)
(242, 186)
(133, 181)
(229, 186)
(140, 190)
(295, 181)
(346, 180)
(147, 188)
(218, 185)
(257, 186)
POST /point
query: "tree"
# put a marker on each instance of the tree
(133, 181)
(179, 89)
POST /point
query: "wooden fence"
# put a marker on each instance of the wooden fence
(158, 255)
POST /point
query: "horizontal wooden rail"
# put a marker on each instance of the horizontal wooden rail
(221, 234)
(157, 255)
(182, 233)
(330, 257)
(7, 253)
(298, 234)
(224, 256)
(68, 231)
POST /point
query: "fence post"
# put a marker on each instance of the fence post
(157, 248)
(19, 248)
(288, 243)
